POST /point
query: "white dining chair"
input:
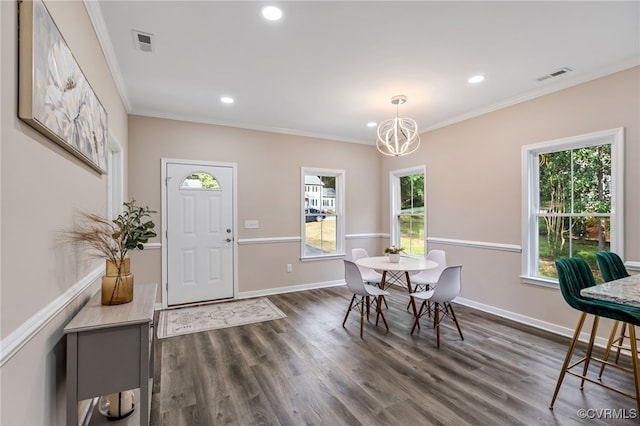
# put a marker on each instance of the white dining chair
(369, 275)
(423, 280)
(361, 294)
(440, 294)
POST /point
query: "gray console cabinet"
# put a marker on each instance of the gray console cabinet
(109, 349)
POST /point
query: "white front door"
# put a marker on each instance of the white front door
(199, 232)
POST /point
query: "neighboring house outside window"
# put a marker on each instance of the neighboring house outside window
(408, 216)
(322, 213)
(573, 198)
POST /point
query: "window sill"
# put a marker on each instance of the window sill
(542, 282)
(322, 257)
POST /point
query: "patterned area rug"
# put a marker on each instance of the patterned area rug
(174, 322)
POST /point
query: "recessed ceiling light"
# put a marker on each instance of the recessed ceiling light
(476, 79)
(226, 100)
(372, 124)
(272, 13)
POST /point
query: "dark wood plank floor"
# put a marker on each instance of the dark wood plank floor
(307, 369)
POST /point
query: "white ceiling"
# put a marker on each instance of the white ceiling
(329, 67)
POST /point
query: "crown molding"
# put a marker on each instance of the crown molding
(100, 28)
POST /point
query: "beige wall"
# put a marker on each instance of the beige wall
(42, 188)
(474, 186)
(473, 193)
(268, 186)
(474, 190)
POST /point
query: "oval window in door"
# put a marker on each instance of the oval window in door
(200, 181)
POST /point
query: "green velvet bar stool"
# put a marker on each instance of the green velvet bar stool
(574, 274)
(612, 268)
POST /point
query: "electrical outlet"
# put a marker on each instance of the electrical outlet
(289, 268)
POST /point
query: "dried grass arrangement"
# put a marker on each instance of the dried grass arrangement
(112, 240)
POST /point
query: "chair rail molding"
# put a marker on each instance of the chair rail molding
(18, 338)
(366, 236)
(268, 240)
(476, 244)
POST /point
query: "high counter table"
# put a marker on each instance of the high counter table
(625, 291)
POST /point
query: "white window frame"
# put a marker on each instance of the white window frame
(115, 179)
(530, 194)
(395, 204)
(340, 176)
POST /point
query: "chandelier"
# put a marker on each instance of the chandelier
(398, 136)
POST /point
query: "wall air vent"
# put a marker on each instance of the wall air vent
(143, 41)
(556, 73)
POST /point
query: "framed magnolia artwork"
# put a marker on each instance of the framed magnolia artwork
(55, 98)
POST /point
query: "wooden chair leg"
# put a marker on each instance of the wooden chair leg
(368, 306)
(415, 289)
(416, 321)
(567, 359)
(380, 313)
(437, 323)
(348, 310)
(453, 315)
(361, 315)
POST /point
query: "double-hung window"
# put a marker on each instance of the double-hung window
(408, 218)
(573, 192)
(322, 213)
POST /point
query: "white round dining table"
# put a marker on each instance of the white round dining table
(405, 266)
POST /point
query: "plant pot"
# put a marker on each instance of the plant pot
(394, 257)
(117, 283)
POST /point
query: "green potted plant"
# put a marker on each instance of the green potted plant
(394, 253)
(112, 240)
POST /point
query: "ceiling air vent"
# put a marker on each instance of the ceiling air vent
(556, 73)
(143, 41)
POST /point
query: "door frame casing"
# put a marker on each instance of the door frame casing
(164, 162)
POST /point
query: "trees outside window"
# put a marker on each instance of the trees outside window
(408, 222)
(572, 189)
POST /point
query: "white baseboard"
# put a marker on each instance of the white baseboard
(533, 322)
(291, 289)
